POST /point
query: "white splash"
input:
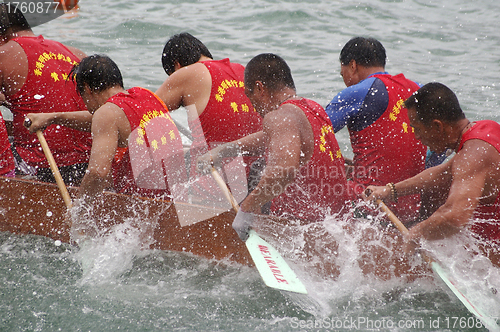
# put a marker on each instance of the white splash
(343, 261)
(107, 252)
(104, 258)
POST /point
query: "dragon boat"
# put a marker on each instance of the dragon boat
(32, 207)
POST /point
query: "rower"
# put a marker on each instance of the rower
(33, 81)
(469, 183)
(304, 175)
(371, 108)
(120, 118)
(212, 92)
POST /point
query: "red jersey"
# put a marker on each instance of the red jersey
(320, 187)
(7, 163)
(152, 132)
(229, 114)
(47, 90)
(488, 131)
(387, 151)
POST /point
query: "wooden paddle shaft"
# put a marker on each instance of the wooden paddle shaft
(399, 225)
(55, 169)
(222, 184)
(183, 130)
(392, 217)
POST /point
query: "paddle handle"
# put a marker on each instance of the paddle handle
(399, 225)
(222, 185)
(183, 130)
(392, 217)
(55, 169)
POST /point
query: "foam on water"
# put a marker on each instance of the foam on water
(105, 258)
(473, 273)
(106, 252)
(113, 281)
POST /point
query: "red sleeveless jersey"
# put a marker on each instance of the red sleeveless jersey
(229, 114)
(6, 157)
(387, 151)
(488, 131)
(320, 186)
(47, 90)
(144, 111)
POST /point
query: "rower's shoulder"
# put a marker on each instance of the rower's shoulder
(477, 153)
(10, 48)
(197, 68)
(288, 118)
(287, 112)
(77, 52)
(189, 76)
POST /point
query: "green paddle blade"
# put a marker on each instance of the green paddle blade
(488, 322)
(272, 267)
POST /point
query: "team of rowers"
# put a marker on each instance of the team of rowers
(91, 123)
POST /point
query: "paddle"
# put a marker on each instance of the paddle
(183, 130)
(55, 170)
(273, 269)
(488, 322)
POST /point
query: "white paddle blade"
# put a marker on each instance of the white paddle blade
(488, 322)
(273, 269)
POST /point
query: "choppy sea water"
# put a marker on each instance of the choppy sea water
(45, 287)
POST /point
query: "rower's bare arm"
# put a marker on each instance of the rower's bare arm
(251, 145)
(13, 68)
(8, 63)
(81, 120)
(190, 85)
(435, 177)
(284, 150)
(105, 137)
(171, 92)
(474, 169)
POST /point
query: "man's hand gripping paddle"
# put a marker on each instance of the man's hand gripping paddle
(488, 322)
(273, 269)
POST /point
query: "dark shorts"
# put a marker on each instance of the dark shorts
(72, 175)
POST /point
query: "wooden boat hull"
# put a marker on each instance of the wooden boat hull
(30, 207)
